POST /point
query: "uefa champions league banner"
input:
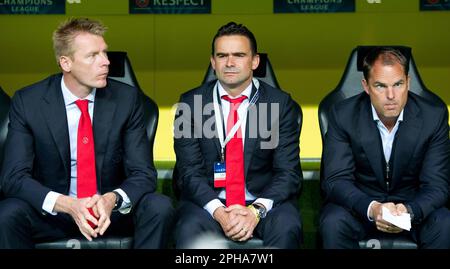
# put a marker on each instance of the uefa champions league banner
(434, 5)
(169, 6)
(313, 6)
(32, 7)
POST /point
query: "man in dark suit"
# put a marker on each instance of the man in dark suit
(386, 148)
(217, 164)
(47, 167)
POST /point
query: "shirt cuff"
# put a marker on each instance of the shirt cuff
(125, 207)
(49, 202)
(267, 203)
(368, 211)
(212, 205)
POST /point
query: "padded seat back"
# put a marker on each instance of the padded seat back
(5, 101)
(120, 69)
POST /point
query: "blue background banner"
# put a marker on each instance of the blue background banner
(32, 7)
(169, 6)
(313, 6)
(428, 5)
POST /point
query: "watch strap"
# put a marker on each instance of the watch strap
(118, 202)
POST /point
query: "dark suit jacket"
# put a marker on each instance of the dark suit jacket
(269, 173)
(37, 154)
(354, 165)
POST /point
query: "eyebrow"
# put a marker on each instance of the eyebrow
(378, 83)
(233, 53)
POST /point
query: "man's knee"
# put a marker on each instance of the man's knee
(157, 205)
(193, 221)
(13, 211)
(188, 225)
(440, 220)
(435, 233)
(288, 223)
(334, 219)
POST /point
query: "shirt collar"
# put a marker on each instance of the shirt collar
(247, 92)
(70, 98)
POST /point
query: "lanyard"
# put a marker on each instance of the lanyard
(219, 115)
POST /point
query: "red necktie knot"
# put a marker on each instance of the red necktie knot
(82, 105)
(235, 100)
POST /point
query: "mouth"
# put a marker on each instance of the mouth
(103, 75)
(230, 70)
(390, 106)
(230, 75)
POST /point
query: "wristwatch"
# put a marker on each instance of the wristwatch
(261, 210)
(119, 201)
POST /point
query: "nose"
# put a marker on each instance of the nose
(230, 61)
(390, 94)
(105, 60)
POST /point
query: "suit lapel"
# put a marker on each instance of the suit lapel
(370, 139)
(54, 111)
(250, 143)
(407, 134)
(210, 89)
(104, 110)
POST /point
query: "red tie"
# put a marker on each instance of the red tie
(86, 178)
(235, 184)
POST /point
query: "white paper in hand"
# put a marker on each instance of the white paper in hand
(403, 221)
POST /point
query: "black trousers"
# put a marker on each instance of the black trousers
(341, 230)
(150, 222)
(281, 228)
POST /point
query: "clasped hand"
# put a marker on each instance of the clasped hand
(238, 222)
(101, 206)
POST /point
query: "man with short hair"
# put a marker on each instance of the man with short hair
(77, 158)
(235, 183)
(386, 148)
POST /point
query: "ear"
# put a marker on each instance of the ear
(65, 63)
(408, 81)
(255, 62)
(365, 85)
(213, 62)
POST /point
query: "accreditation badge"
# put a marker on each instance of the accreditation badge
(219, 175)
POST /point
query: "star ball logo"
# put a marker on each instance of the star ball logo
(142, 3)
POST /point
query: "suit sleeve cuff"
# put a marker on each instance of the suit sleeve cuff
(125, 208)
(50, 201)
(267, 203)
(368, 211)
(212, 205)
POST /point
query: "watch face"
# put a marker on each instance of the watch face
(261, 211)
